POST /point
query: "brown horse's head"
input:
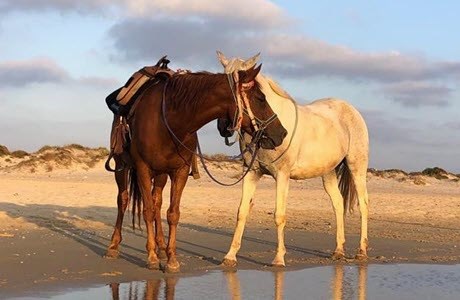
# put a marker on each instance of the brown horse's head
(257, 116)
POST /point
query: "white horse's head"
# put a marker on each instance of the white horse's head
(237, 64)
(237, 70)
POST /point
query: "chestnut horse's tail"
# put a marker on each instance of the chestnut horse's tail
(346, 186)
(135, 196)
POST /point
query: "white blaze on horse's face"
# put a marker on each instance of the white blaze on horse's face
(237, 64)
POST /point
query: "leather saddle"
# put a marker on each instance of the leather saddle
(121, 98)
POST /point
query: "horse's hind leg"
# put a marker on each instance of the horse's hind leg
(159, 183)
(359, 178)
(178, 181)
(121, 177)
(144, 181)
(331, 186)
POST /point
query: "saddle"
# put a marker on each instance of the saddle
(122, 102)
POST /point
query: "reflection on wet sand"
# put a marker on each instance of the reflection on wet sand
(147, 290)
(279, 284)
(234, 288)
(339, 281)
(233, 284)
(343, 288)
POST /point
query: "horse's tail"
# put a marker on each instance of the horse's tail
(136, 198)
(346, 186)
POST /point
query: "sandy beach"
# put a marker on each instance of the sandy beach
(56, 220)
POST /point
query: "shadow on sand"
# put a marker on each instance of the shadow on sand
(62, 220)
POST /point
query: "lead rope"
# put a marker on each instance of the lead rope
(251, 164)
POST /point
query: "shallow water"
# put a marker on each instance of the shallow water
(403, 281)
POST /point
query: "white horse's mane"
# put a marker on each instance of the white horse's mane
(274, 86)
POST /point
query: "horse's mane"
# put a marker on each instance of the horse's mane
(187, 90)
(274, 86)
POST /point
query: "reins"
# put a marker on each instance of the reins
(292, 136)
(255, 140)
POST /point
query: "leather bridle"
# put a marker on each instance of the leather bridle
(243, 106)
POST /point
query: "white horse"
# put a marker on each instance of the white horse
(326, 138)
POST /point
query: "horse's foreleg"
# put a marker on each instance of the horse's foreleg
(282, 188)
(249, 188)
(331, 186)
(145, 185)
(178, 181)
(121, 177)
(158, 184)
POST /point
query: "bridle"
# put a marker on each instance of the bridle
(242, 104)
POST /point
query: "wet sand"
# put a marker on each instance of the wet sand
(337, 282)
(55, 227)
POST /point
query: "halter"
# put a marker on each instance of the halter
(243, 106)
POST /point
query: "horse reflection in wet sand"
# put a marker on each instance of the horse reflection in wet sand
(187, 102)
(326, 138)
(149, 290)
(345, 284)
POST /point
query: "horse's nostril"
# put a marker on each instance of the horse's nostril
(284, 133)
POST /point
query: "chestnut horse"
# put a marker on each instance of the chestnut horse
(163, 140)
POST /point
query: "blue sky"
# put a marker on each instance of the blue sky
(397, 62)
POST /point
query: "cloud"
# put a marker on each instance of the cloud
(16, 74)
(259, 13)
(63, 6)
(418, 93)
(193, 42)
(255, 12)
(288, 55)
(301, 56)
(37, 70)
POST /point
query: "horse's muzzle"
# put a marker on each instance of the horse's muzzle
(272, 141)
(223, 126)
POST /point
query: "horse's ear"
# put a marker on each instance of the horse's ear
(249, 75)
(223, 60)
(250, 62)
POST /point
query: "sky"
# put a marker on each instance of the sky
(397, 62)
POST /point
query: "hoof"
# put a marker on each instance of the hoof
(361, 255)
(172, 268)
(153, 265)
(278, 261)
(278, 265)
(337, 255)
(162, 254)
(229, 263)
(112, 254)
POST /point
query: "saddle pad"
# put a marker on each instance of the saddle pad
(134, 83)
